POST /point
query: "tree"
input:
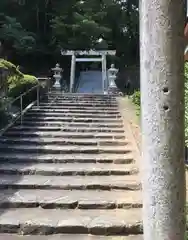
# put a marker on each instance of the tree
(73, 24)
(79, 24)
(13, 36)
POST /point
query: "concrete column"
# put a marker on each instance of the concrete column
(104, 76)
(72, 76)
(162, 101)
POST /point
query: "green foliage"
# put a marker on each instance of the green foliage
(74, 24)
(79, 24)
(16, 78)
(13, 35)
(136, 98)
(21, 80)
(12, 69)
(19, 85)
(18, 82)
(137, 101)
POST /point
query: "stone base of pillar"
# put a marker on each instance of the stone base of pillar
(113, 90)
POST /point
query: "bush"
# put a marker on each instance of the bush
(19, 85)
(13, 70)
(136, 98)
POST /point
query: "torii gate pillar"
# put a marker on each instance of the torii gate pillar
(162, 101)
(72, 75)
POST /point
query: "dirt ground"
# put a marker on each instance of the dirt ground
(129, 111)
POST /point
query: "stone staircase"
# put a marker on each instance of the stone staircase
(69, 170)
(90, 82)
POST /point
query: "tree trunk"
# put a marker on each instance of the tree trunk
(162, 101)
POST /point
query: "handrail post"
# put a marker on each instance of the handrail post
(38, 96)
(21, 109)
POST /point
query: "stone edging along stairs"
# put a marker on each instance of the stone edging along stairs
(69, 169)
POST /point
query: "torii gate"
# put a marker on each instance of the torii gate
(100, 56)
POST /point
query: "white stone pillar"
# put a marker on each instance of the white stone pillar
(104, 74)
(162, 102)
(72, 76)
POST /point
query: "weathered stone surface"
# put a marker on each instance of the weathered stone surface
(70, 124)
(68, 169)
(85, 103)
(71, 119)
(33, 148)
(80, 107)
(67, 158)
(88, 199)
(87, 115)
(81, 135)
(76, 111)
(64, 141)
(69, 182)
(67, 129)
(69, 237)
(64, 171)
(48, 221)
(81, 100)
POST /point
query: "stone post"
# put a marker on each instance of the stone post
(72, 77)
(162, 101)
(104, 73)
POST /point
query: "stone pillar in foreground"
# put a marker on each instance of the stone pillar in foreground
(162, 98)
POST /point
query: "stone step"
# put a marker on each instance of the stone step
(66, 158)
(69, 103)
(74, 120)
(75, 115)
(69, 237)
(48, 221)
(69, 124)
(62, 149)
(126, 182)
(78, 199)
(80, 107)
(96, 100)
(67, 129)
(83, 97)
(81, 100)
(72, 135)
(64, 141)
(68, 169)
(74, 95)
(74, 111)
